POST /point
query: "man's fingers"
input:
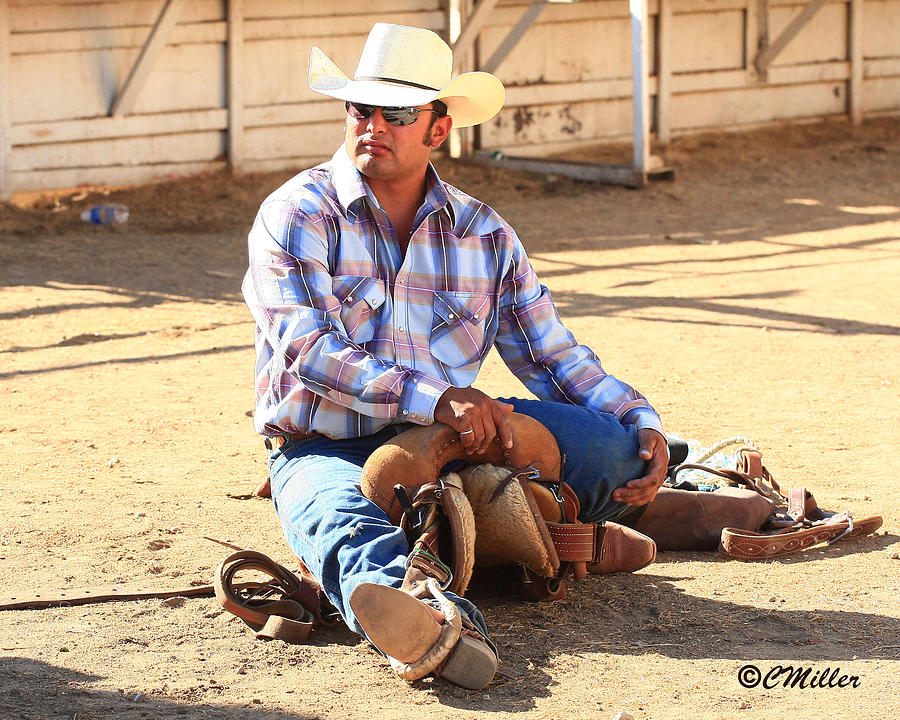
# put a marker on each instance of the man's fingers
(467, 437)
(639, 491)
(501, 420)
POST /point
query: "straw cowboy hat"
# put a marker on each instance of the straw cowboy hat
(404, 67)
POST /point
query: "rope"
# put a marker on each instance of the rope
(727, 442)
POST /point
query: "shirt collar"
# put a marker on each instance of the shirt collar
(351, 188)
(348, 182)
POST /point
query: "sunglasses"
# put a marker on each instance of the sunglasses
(392, 115)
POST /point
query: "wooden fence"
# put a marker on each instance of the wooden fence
(124, 91)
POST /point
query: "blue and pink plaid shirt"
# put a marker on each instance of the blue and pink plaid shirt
(352, 336)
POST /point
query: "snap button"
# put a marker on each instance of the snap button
(406, 412)
(349, 298)
(450, 316)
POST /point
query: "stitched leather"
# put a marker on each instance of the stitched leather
(285, 607)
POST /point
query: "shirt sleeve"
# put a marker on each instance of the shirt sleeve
(544, 355)
(289, 290)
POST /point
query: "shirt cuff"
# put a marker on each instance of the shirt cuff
(642, 418)
(420, 398)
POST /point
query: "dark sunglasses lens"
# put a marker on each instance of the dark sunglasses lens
(358, 111)
(400, 116)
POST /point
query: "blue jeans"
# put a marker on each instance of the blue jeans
(344, 539)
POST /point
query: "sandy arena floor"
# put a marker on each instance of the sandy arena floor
(757, 294)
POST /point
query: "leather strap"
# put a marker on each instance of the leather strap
(577, 542)
(285, 607)
(749, 545)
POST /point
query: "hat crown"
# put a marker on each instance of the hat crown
(406, 55)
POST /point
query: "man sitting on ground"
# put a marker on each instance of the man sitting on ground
(377, 291)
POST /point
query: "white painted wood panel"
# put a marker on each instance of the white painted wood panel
(568, 80)
(305, 8)
(310, 140)
(564, 51)
(537, 124)
(881, 94)
(733, 108)
(60, 41)
(84, 84)
(881, 20)
(85, 14)
(116, 175)
(144, 150)
(822, 39)
(692, 50)
(110, 127)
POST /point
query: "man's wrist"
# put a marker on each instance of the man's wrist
(644, 417)
(420, 398)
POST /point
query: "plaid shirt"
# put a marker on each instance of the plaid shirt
(352, 336)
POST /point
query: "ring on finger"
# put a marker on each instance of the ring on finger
(467, 432)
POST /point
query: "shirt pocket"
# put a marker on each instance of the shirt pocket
(360, 298)
(458, 327)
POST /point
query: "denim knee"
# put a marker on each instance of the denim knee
(600, 453)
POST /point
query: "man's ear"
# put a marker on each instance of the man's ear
(440, 130)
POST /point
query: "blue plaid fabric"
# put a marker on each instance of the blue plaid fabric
(351, 335)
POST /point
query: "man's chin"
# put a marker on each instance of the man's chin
(370, 165)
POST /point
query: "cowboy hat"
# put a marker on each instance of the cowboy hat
(404, 66)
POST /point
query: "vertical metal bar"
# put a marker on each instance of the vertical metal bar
(235, 74)
(462, 140)
(640, 83)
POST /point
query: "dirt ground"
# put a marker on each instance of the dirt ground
(757, 294)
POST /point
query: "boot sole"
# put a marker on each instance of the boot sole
(403, 628)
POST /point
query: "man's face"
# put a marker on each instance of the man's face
(386, 152)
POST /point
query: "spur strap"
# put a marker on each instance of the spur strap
(577, 542)
(285, 607)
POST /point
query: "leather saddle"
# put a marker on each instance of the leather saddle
(503, 508)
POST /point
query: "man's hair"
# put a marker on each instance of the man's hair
(440, 110)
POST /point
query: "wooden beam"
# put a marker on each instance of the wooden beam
(589, 172)
(664, 73)
(5, 104)
(766, 56)
(472, 26)
(235, 73)
(856, 62)
(107, 128)
(146, 59)
(762, 33)
(640, 82)
(514, 35)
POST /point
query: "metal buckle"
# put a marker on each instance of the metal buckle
(849, 529)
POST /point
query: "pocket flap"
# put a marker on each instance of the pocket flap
(351, 289)
(453, 306)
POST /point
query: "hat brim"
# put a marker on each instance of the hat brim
(471, 98)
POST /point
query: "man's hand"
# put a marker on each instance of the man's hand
(642, 490)
(477, 417)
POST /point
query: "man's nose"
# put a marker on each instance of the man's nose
(377, 123)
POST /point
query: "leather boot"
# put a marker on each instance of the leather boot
(622, 550)
(693, 520)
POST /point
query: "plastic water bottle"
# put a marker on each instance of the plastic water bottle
(106, 214)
